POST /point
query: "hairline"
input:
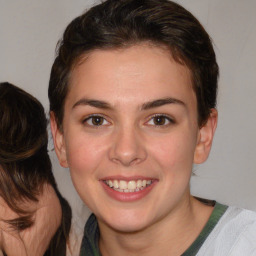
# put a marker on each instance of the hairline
(174, 54)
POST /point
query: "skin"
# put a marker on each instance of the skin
(130, 142)
(36, 239)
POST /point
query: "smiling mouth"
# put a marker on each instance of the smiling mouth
(130, 186)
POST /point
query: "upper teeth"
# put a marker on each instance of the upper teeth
(128, 186)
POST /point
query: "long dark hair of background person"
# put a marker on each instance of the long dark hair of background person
(25, 165)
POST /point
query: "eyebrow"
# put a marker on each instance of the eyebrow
(92, 103)
(148, 105)
(161, 102)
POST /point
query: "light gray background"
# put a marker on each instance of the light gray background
(29, 31)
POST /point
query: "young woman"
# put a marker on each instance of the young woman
(34, 218)
(132, 98)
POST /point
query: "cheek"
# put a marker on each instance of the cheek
(85, 155)
(174, 152)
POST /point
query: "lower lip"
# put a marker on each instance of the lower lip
(130, 196)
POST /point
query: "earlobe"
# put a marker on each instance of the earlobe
(59, 143)
(205, 138)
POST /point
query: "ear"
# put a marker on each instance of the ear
(205, 138)
(59, 143)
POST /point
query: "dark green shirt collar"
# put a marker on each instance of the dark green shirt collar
(90, 242)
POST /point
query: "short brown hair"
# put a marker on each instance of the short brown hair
(122, 23)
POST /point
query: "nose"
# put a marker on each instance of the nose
(127, 148)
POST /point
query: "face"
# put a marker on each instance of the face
(130, 135)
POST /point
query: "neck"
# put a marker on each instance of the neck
(171, 235)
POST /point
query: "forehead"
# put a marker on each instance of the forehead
(145, 70)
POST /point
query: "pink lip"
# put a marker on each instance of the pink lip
(128, 197)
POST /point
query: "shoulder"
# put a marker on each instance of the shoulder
(235, 234)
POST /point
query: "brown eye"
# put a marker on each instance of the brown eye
(159, 120)
(95, 121)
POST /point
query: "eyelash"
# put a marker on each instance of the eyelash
(166, 119)
(90, 119)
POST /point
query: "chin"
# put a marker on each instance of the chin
(127, 223)
(127, 227)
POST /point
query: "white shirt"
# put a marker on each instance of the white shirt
(234, 235)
